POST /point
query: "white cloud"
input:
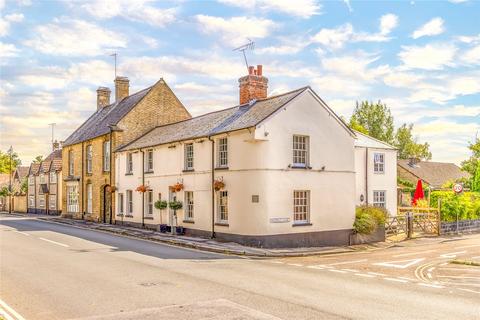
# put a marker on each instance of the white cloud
(469, 39)
(75, 38)
(333, 85)
(235, 30)
(14, 17)
(353, 66)
(348, 4)
(300, 8)
(6, 21)
(431, 28)
(457, 1)
(428, 57)
(138, 11)
(400, 79)
(8, 50)
(337, 37)
(472, 56)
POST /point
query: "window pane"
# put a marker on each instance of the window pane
(301, 206)
(300, 150)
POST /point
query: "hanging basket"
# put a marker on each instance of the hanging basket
(112, 189)
(218, 185)
(141, 188)
(177, 187)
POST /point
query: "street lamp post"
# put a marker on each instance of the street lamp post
(10, 151)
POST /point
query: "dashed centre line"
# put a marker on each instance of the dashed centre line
(365, 275)
(55, 242)
(347, 262)
(395, 279)
(24, 233)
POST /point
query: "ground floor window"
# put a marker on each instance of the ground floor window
(41, 201)
(223, 206)
(149, 202)
(129, 202)
(188, 205)
(301, 206)
(379, 198)
(72, 199)
(31, 201)
(120, 203)
(52, 202)
(89, 198)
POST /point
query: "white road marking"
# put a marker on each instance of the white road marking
(14, 313)
(338, 271)
(24, 233)
(451, 254)
(399, 264)
(347, 262)
(431, 269)
(350, 270)
(469, 246)
(477, 257)
(396, 280)
(5, 315)
(460, 269)
(406, 278)
(365, 275)
(55, 242)
(316, 267)
(468, 290)
(430, 285)
(278, 262)
(377, 274)
(429, 275)
(412, 253)
(459, 277)
(295, 264)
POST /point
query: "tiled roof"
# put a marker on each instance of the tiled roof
(34, 167)
(56, 165)
(227, 120)
(56, 154)
(434, 173)
(22, 171)
(368, 142)
(45, 166)
(99, 122)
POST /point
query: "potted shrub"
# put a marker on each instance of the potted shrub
(218, 185)
(161, 204)
(141, 188)
(175, 205)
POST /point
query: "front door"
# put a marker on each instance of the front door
(107, 205)
(171, 197)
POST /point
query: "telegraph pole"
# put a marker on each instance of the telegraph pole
(10, 152)
(53, 131)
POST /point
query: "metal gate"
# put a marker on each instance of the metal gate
(413, 222)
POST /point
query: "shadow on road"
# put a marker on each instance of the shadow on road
(118, 243)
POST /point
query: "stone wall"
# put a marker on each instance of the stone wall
(464, 226)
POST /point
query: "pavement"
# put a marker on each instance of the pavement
(57, 271)
(204, 244)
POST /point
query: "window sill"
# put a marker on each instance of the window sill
(379, 172)
(221, 168)
(120, 215)
(188, 221)
(293, 166)
(301, 224)
(148, 218)
(221, 224)
(188, 170)
(148, 172)
(129, 174)
(128, 216)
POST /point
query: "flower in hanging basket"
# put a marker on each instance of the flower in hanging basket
(218, 185)
(141, 188)
(175, 205)
(161, 204)
(113, 189)
(177, 187)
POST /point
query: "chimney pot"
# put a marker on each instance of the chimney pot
(122, 85)
(103, 97)
(253, 86)
(251, 69)
(259, 69)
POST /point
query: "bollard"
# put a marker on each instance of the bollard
(409, 225)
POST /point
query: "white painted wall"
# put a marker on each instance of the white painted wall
(376, 181)
(260, 167)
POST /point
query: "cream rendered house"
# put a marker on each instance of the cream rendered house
(286, 163)
(376, 173)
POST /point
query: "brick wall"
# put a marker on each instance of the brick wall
(464, 226)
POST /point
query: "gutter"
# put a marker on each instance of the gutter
(110, 176)
(83, 186)
(211, 185)
(143, 183)
(366, 176)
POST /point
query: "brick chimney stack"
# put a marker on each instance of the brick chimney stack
(253, 86)
(103, 97)
(121, 88)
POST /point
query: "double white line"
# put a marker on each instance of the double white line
(8, 313)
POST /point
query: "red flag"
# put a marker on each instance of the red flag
(418, 192)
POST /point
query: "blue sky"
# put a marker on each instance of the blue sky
(422, 58)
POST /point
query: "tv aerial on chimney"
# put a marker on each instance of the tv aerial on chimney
(248, 46)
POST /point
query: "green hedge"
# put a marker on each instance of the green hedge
(368, 218)
(466, 205)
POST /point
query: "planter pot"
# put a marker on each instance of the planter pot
(376, 236)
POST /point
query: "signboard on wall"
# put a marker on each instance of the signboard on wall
(279, 220)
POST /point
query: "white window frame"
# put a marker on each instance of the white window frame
(120, 203)
(52, 201)
(129, 163)
(222, 207)
(380, 198)
(42, 178)
(222, 152)
(31, 201)
(300, 150)
(53, 177)
(106, 156)
(89, 198)
(71, 168)
(149, 161)
(129, 202)
(41, 200)
(72, 199)
(31, 180)
(149, 203)
(89, 158)
(188, 156)
(189, 205)
(379, 162)
(301, 206)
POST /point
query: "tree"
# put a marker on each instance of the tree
(375, 119)
(38, 159)
(5, 162)
(470, 165)
(408, 146)
(476, 180)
